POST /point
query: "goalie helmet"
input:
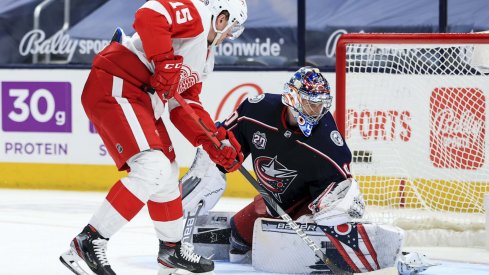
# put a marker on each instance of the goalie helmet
(307, 93)
(238, 13)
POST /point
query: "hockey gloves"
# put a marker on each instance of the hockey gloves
(339, 203)
(167, 74)
(229, 155)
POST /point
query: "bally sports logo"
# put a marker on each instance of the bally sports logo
(458, 128)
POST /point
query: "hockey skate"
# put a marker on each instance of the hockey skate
(237, 256)
(89, 247)
(179, 258)
(239, 252)
(412, 263)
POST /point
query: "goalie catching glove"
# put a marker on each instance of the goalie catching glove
(229, 155)
(339, 203)
(203, 182)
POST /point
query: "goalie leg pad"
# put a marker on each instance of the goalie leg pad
(203, 182)
(211, 235)
(359, 247)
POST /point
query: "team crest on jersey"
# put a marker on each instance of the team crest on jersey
(336, 138)
(256, 98)
(188, 78)
(259, 140)
(273, 175)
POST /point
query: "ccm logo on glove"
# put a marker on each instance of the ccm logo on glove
(166, 77)
(173, 66)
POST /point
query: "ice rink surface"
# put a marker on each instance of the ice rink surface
(36, 226)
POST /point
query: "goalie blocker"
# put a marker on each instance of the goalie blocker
(358, 247)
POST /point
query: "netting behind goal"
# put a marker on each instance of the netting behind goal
(415, 117)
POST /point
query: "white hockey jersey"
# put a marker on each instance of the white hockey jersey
(182, 27)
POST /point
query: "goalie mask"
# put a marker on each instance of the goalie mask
(238, 13)
(307, 93)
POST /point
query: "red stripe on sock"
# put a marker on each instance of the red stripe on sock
(123, 201)
(165, 211)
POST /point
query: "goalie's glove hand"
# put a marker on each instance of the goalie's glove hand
(229, 155)
(340, 203)
(167, 74)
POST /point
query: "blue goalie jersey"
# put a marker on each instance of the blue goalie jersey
(290, 166)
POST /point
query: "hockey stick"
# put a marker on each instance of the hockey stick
(293, 225)
(319, 253)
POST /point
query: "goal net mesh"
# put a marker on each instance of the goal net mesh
(416, 125)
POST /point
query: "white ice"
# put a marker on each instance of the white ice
(36, 226)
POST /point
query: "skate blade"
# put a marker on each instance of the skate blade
(178, 271)
(71, 260)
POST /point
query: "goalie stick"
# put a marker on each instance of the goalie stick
(319, 253)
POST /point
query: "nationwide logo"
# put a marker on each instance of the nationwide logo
(273, 175)
(255, 48)
(458, 128)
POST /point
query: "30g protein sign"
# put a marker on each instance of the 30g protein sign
(36, 107)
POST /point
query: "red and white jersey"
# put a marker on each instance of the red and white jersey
(165, 28)
(185, 31)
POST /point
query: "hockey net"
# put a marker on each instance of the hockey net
(413, 108)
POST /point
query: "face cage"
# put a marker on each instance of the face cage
(305, 101)
(313, 111)
(236, 30)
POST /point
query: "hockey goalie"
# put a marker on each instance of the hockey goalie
(301, 160)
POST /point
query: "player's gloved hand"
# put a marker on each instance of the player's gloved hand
(229, 155)
(340, 204)
(167, 74)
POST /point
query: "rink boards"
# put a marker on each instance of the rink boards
(47, 141)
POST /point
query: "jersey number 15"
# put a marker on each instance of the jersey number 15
(182, 14)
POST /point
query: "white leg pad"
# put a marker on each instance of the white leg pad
(277, 248)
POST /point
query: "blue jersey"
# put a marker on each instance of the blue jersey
(289, 165)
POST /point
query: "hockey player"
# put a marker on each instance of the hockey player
(298, 155)
(131, 82)
(302, 160)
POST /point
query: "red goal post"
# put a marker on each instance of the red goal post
(413, 109)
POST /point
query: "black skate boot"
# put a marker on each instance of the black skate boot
(239, 250)
(179, 258)
(88, 246)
